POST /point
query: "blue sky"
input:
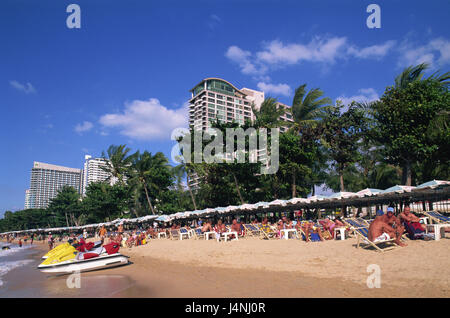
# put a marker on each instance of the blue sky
(125, 76)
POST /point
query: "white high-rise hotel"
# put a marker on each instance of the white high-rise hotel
(216, 98)
(93, 171)
(47, 180)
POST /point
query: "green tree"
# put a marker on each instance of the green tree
(66, 207)
(404, 116)
(342, 135)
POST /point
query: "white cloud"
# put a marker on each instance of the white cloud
(365, 95)
(374, 51)
(317, 50)
(324, 50)
(242, 58)
(147, 120)
(83, 127)
(25, 88)
(277, 89)
(436, 53)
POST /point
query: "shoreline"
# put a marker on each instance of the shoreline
(256, 268)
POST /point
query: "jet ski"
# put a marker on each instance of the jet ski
(69, 248)
(6, 247)
(86, 260)
(56, 250)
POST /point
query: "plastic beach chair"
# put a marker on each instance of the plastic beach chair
(175, 234)
(198, 233)
(184, 233)
(440, 223)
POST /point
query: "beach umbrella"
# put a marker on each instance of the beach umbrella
(368, 192)
(220, 210)
(317, 197)
(433, 184)
(397, 189)
(247, 207)
(296, 201)
(278, 203)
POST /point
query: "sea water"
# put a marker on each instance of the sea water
(13, 258)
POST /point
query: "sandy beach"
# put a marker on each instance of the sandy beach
(252, 267)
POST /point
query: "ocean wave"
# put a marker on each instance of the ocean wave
(14, 248)
(5, 267)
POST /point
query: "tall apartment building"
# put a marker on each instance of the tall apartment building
(47, 180)
(216, 98)
(93, 172)
(27, 199)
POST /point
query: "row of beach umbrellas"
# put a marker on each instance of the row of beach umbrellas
(339, 197)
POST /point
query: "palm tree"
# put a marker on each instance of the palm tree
(181, 171)
(150, 172)
(117, 163)
(269, 113)
(410, 74)
(307, 108)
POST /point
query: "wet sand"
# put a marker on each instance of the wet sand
(257, 268)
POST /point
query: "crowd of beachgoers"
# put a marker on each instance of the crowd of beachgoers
(384, 227)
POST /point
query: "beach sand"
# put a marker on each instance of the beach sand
(252, 267)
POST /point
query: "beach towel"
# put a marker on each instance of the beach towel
(414, 230)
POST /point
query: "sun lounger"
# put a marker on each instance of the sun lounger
(437, 217)
(267, 232)
(362, 235)
(251, 230)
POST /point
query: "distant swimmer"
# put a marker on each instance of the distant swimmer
(5, 248)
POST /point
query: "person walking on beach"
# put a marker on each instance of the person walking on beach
(102, 233)
(50, 241)
(20, 242)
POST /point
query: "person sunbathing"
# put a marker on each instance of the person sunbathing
(207, 227)
(235, 226)
(220, 227)
(328, 225)
(410, 218)
(381, 230)
(393, 221)
(312, 232)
